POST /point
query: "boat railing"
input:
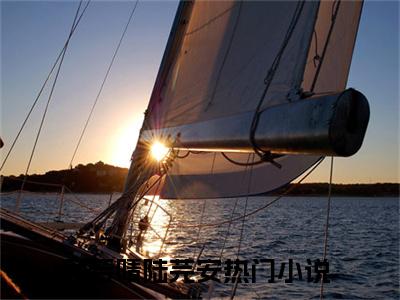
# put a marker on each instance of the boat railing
(51, 215)
(137, 235)
(55, 216)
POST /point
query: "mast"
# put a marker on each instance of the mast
(249, 78)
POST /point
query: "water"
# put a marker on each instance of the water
(363, 245)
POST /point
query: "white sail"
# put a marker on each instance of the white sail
(221, 54)
(199, 176)
(224, 56)
(335, 66)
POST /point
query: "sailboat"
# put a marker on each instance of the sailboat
(249, 96)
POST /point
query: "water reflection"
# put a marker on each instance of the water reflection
(363, 249)
(150, 226)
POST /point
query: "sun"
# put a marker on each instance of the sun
(159, 151)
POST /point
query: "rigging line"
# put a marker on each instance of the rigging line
(153, 198)
(242, 228)
(48, 184)
(157, 191)
(253, 163)
(103, 82)
(245, 208)
(328, 210)
(321, 60)
(45, 110)
(233, 211)
(211, 286)
(202, 213)
(107, 213)
(210, 21)
(44, 84)
(44, 114)
(213, 163)
(201, 221)
(233, 293)
(316, 55)
(291, 188)
(229, 228)
(182, 156)
(271, 73)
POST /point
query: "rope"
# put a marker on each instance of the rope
(233, 293)
(182, 156)
(268, 156)
(80, 203)
(270, 75)
(229, 228)
(202, 215)
(211, 286)
(328, 210)
(321, 59)
(77, 200)
(99, 220)
(316, 55)
(291, 188)
(241, 163)
(210, 21)
(201, 221)
(245, 209)
(47, 105)
(230, 221)
(153, 198)
(102, 84)
(44, 84)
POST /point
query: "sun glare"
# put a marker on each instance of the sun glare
(124, 144)
(159, 151)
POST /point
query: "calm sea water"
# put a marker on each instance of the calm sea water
(363, 244)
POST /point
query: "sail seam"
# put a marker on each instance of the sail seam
(210, 21)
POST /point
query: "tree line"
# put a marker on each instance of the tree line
(104, 178)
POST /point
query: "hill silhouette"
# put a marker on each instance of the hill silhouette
(104, 178)
(90, 178)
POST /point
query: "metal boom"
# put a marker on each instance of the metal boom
(328, 125)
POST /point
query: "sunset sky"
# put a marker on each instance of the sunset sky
(33, 33)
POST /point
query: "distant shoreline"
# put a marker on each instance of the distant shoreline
(105, 179)
(267, 195)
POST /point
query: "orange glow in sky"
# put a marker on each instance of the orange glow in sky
(37, 29)
(125, 141)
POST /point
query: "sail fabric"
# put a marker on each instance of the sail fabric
(335, 64)
(217, 69)
(209, 175)
(225, 54)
